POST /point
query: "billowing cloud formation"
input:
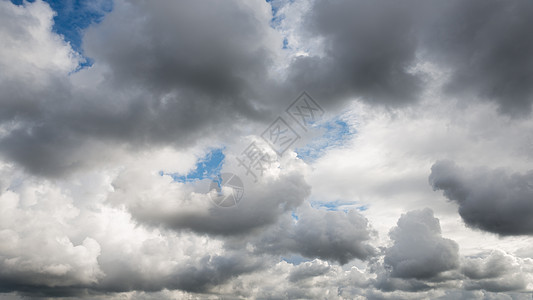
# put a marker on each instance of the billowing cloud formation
(66, 241)
(419, 251)
(89, 206)
(490, 200)
(174, 72)
(164, 76)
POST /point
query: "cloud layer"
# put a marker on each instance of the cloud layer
(91, 201)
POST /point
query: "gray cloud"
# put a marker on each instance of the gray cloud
(177, 206)
(171, 74)
(483, 295)
(496, 272)
(490, 200)
(308, 270)
(494, 265)
(199, 274)
(368, 49)
(204, 46)
(177, 73)
(329, 235)
(487, 46)
(419, 251)
(370, 46)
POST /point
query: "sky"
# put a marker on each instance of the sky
(251, 149)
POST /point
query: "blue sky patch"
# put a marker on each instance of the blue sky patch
(285, 43)
(331, 205)
(337, 205)
(336, 133)
(276, 18)
(294, 216)
(206, 168)
(295, 259)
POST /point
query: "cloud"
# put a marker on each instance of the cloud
(490, 200)
(367, 50)
(496, 272)
(494, 265)
(371, 50)
(262, 218)
(315, 279)
(35, 216)
(154, 81)
(487, 48)
(308, 270)
(91, 206)
(419, 251)
(62, 240)
(159, 201)
(335, 236)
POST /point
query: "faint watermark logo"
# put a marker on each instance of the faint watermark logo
(305, 110)
(254, 160)
(280, 136)
(226, 190)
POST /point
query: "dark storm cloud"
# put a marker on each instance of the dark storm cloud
(488, 47)
(419, 250)
(368, 47)
(485, 46)
(490, 200)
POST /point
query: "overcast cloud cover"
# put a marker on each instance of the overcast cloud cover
(416, 183)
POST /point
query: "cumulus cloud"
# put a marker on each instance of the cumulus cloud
(490, 200)
(419, 250)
